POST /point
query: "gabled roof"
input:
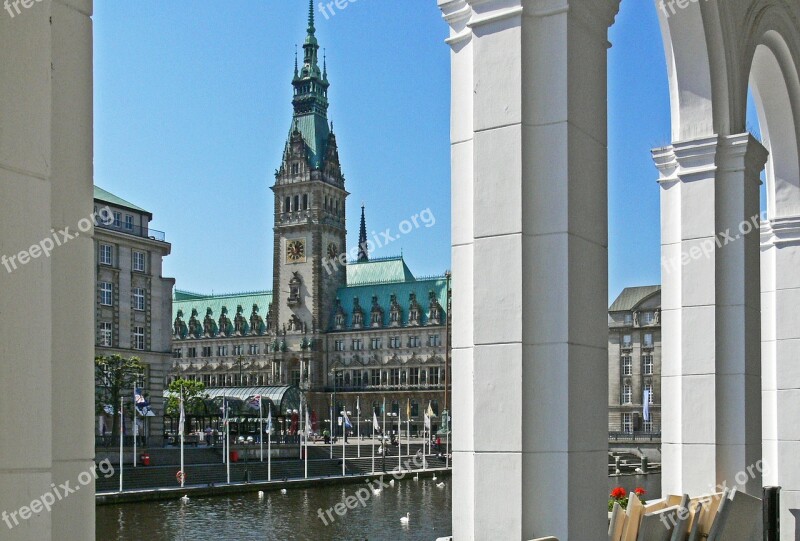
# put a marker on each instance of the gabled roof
(378, 271)
(186, 301)
(107, 197)
(631, 297)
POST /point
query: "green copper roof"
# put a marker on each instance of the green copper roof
(186, 301)
(107, 197)
(382, 270)
(384, 292)
(316, 132)
(631, 297)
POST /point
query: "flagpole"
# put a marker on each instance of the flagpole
(330, 439)
(358, 424)
(305, 436)
(261, 428)
(228, 440)
(344, 438)
(269, 445)
(399, 445)
(121, 441)
(135, 425)
(224, 438)
(383, 439)
(181, 427)
(408, 428)
(374, 418)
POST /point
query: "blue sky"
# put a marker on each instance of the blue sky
(193, 105)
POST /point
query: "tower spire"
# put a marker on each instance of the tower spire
(311, 28)
(363, 253)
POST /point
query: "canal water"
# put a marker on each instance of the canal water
(294, 516)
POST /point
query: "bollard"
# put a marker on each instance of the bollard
(772, 512)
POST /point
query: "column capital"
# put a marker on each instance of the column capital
(780, 231)
(742, 152)
(685, 161)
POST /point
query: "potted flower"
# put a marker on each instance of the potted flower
(620, 495)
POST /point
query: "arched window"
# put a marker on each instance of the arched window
(296, 202)
(287, 206)
(305, 201)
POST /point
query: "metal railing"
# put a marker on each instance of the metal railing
(635, 436)
(135, 230)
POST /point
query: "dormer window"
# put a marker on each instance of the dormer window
(414, 311)
(358, 314)
(295, 168)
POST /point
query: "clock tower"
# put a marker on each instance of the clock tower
(309, 231)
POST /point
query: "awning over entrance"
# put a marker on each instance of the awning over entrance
(241, 401)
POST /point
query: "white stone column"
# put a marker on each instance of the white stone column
(780, 347)
(46, 303)
(711, 427)
(530, 267)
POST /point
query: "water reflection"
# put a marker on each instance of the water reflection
(295, 516)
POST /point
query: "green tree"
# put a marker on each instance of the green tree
(191, 389)
(115, 377)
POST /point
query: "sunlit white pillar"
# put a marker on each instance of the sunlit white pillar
(711, 428)
(529, 170)
(46, 303)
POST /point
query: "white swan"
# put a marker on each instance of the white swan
(434, 477)
(283, 491)
(416, 477)
(391, 483)
(185, 499)
(260, 494)
(404, 520)
(440, 485)
(376, 491)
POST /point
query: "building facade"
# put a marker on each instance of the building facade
(133, 304)
(634, 366)
(349, 333)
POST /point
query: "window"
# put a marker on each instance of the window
(296, 202)
(305, 201)
(627, 394)
(106, 254)
(627, 365)
(627, 423)
(648, 318)
(138, 298)
(138, 261)
(376, 343)
(237, 350)
(375, 377)
(357, 378)
(192, 353)
(296, 378)
(254, 349)
(648, 339)
(413, 341)
(117, 219)
(627, 341)
(338, 379)
(647, 363)
(177, 353)
(338, 345)
(106, 294)
(287, 206)
(628, 319)
(295, 168)
(648, 388)
(413, 376)
(648, 426)
(433, 376)
(394, 342)
(394, 376)
(357, 344)
(222, 351)
(414, 408)
(129, 222)
(138, 338)
(434, 340)
(206, 351)
(106, 334)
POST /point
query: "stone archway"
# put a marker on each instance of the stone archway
(529, 138)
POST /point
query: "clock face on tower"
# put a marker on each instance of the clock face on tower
(333, 251)
(296, 251)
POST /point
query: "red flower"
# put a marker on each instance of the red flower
(640, 491)
(618, 493)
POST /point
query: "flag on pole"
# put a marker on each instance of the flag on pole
(358, 405)
(427, 421)
(182, 420)
(308, 421)
(255, 403)
(142, 405)
(408, 409)
(646, 402)
(269, 421)
(375, 422)
(430, 411)
(347, 423)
